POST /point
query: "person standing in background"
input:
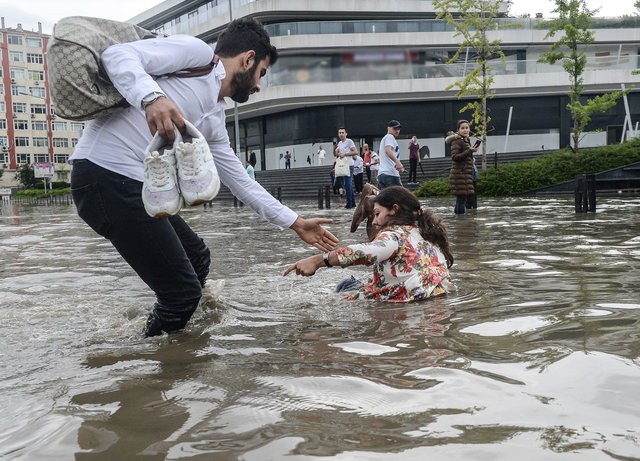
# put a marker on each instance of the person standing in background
(414, 159)
(358, 173)
(461, 176)
(321, 155)
(252, 159)
(366, 159)
(472, 199)
(390, 165)
(250, 171)
(375, 161)
(287, 160)
(347, 148)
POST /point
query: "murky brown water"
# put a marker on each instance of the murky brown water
(536, 357)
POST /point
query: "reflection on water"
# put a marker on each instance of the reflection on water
(535, 357)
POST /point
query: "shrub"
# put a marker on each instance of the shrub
(546, 170)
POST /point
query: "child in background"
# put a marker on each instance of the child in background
(410, 255)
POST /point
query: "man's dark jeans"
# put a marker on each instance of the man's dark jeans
(348, 188)
(167, 255)
(386, 180)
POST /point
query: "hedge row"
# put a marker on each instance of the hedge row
(546, 170)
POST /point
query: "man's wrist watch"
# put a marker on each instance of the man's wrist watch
(325, 258)
(151, 98)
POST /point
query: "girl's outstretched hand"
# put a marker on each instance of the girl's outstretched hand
(306, 267)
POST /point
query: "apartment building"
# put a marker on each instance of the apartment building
(30, 131)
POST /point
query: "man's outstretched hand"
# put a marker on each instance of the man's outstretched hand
(312, 232)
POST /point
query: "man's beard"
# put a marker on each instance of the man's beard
(242, 85)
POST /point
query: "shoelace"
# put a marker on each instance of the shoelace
(158, 170)
(192, 162)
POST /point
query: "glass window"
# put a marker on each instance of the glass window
(77, 126)
(19, 107)
(4, 157)
(34, 42)
(41, 158)
(1, 87)
(36, 75)
(16, 73)
(60, 158)
(2, 107)
(38, 109)
(14, 39)
(4, 141)
(34, 58)
(19, 90)
(40, 142)
(3, 124)
(22, 141)
(59, 126)
(16, 56)
(60, 142)
(37, 92)
(20, 124)
(22, 159)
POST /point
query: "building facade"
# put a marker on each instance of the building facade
(30, 132)
(360, 63)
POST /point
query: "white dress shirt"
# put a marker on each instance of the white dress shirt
(118, 141)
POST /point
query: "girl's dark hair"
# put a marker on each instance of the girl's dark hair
(411, 213)
(460, 122)
(246, 34)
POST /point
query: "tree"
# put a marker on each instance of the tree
(575, 21)
(26, 177)
(473, 26)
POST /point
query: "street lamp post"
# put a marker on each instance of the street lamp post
(235, 104)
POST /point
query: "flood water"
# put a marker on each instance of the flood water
(535, 357)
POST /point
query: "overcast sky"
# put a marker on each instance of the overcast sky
(30, 12)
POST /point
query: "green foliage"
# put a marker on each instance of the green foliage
(575, 22)
(41, 192)
(26, 177)
(433, 188)
(473, 25)
(546, 170)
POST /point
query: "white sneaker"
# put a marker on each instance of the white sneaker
(197, 175)
(160, 194)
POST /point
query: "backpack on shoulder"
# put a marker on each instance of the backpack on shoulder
(80, 87)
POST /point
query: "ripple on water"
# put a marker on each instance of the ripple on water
(534, 357)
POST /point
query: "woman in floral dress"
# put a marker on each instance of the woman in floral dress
(410, 255)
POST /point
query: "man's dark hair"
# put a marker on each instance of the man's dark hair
(246, 34)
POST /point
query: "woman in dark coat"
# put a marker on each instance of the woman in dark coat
(461, 176)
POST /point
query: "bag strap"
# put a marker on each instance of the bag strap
(195, 71)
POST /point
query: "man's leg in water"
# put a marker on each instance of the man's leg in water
(112, 205)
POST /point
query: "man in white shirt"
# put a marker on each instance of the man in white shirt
(347, 148)
(108, 169)
(390, 166)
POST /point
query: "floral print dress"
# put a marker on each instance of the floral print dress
(406, 267)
